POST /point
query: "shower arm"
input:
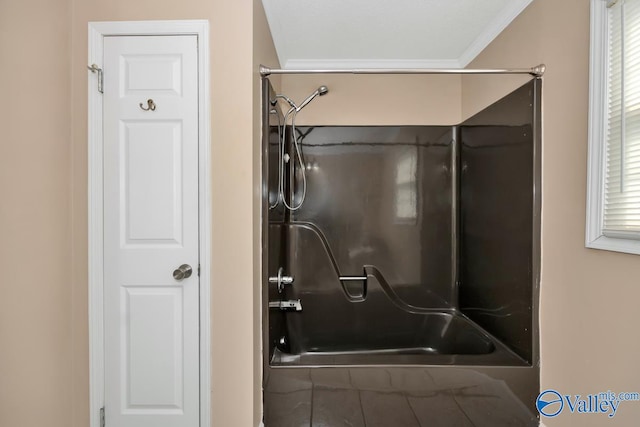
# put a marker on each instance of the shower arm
(537, 71)
(286, 98)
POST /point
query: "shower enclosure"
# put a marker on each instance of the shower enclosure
(410, 271)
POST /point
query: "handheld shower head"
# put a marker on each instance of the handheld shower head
(322, 90)
(284, 153)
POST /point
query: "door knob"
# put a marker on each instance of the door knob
(182, 272)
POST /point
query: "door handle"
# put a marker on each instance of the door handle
(182, 272)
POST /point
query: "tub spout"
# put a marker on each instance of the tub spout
(293, 305)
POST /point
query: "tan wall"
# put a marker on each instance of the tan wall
(35, 217)
(235, 339)
(376, 99)
(589, 297)
(43, 216)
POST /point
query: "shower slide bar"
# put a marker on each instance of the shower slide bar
(537, 71)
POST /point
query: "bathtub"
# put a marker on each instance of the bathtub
(378, 332)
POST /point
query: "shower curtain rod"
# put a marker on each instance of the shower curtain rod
(536, 71)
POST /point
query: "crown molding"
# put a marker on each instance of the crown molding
(348, 64)
(499, 23)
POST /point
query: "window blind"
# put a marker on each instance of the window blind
(622, 177)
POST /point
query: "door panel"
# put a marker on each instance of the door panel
(154, 327)
(152, 190)
(151, 228)
(148, 72)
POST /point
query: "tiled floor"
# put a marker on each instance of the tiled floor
(379, 397)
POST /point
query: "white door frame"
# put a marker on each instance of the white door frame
(97, 32)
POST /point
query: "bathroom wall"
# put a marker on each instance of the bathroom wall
(239, 40)
(377, 99)
(35, 217)
(589, 297)
(44, 361)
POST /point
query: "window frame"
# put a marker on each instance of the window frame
(597, 160)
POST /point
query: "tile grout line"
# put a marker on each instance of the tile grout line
(311, 402)
(462, 409)
(354, 388)
(364, 419)
(311, 409)
(411, 409)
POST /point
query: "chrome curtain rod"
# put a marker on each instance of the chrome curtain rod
(536, 71)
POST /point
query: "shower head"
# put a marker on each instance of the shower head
(322, 90)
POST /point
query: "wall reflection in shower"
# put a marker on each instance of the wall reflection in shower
(363, 196)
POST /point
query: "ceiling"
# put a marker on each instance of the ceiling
(320, 34)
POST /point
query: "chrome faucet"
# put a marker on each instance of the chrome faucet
(281, 280)
(294, 305)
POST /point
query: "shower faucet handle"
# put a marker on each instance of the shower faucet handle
(281, 280)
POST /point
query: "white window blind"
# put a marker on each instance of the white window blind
(621, 210)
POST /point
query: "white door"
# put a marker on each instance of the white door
(150, 229)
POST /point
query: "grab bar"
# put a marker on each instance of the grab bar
(358, 295)
(352, 278)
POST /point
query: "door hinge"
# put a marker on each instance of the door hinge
(102, 417)
(95, 69)
(198, 270)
